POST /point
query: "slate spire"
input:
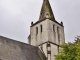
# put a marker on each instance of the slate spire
(46, 11)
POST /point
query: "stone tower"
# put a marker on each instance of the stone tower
(47, 33)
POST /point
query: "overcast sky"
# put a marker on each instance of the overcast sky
(16, 17)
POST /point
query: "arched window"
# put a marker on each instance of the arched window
(54, 28)
(58, 30)
(58, 34)
(36, 30)
(48, 48)
(41, 27)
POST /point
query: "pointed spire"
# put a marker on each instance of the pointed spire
(46, 11)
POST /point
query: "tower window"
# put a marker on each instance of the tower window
(36, 30)
(58, 34)
(58, 30)
(48, 52)
(41, 27)
(48, 45)
(54, 28)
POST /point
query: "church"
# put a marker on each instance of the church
(45, 37)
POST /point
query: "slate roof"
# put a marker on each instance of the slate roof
(15, 50)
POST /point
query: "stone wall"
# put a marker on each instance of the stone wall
(49, 51)
(41, 37)
(47, 33)
(53, 35)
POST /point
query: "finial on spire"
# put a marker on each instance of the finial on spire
(46, 11)
(61, 23)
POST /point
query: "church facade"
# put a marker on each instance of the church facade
(47, 33)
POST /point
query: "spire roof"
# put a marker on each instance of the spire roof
(46, 11)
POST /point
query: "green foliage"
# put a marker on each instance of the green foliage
(69, 51)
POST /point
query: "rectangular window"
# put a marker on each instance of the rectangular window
(54, 28)
(36, 30)
(58, 34)
(48, 52)
(58, 30)
(41, 27)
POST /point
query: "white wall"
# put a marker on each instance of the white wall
(53, 36)
(41, 37)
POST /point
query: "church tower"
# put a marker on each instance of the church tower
(47, 33)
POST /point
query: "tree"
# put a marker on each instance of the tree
(69, 51)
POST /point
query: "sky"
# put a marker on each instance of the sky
(16, 17)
